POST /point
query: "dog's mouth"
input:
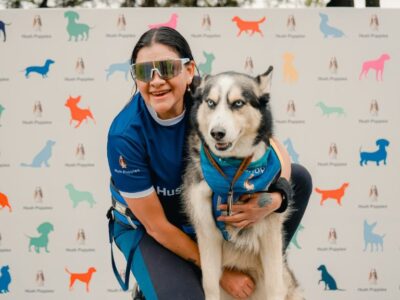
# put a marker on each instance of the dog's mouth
(223, 146)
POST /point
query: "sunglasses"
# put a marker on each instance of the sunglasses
(166, 69)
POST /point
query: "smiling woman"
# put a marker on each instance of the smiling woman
(147, 154)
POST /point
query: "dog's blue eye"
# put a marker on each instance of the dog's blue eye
(238, 104)
(210, 103)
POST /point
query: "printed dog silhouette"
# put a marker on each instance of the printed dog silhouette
(5, 279)
(290, 73)
(328, 110)
(79, 196)
(377, 156)
(378, 65)
(289, 147)
(83, 277)
(3, 29)
(371, 238)
(330, 282)
(332, 194)
(4, 202)
(253, 26)
(173, 21)
(41, 70)
(206, 67)
(42, 241)
(76, 29)
(78, 114)
(328, 30)
(124, 67)
(294, 238)
(42, 157)
(2, 108)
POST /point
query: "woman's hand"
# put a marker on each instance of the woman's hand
(237, 284)
(255, 207)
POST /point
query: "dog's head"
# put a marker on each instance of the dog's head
(91, 270)
(45, 228)
(231, 112)
(321, 268)
(382, 143)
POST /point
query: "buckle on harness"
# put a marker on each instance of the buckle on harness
(123, 210)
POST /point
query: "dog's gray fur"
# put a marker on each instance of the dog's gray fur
(256, 250)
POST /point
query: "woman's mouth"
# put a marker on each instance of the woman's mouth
(159, 93)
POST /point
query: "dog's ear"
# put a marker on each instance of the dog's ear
(264, 81)
(197, 85)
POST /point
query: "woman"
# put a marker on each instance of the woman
(145, 153)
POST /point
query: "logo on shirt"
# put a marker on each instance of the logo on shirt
(122, 162)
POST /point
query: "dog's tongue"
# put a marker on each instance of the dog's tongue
(222, 146)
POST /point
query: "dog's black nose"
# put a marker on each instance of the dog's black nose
(218, 133)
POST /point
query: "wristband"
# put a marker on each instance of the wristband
(282, 186)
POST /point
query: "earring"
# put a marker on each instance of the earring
(188, 88)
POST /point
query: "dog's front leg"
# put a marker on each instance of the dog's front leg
(272, 259)
(209, 239)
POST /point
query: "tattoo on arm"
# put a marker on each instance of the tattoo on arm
(264, 200)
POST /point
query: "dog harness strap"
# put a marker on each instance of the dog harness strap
(243, 166)
(124, 284)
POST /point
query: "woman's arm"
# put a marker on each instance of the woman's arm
(150, 213)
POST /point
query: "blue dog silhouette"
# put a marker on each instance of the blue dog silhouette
(42, 70)
(378, 155)
(42, 157)
(371, 238)
(5, 279)
(327, 278)
(3, 29)
(328, 30)
(124, 67)
(290, 149)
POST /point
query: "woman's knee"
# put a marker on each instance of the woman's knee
(301, 179)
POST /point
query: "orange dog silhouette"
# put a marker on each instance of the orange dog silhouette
(332, 194)
(254, 26)
(78, 114)
(84, 277)
(4, 202)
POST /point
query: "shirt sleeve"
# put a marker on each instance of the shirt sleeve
(129, 167)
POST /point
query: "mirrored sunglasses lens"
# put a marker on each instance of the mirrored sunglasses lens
(169, 68)
(143, 71)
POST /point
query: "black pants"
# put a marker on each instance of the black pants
(162, 275)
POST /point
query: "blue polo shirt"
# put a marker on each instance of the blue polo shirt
(146, 154)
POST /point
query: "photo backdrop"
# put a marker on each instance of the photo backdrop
(64, 75)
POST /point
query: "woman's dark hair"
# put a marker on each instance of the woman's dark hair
(168, 37)
(165, 36)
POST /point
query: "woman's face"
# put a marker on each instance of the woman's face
(164, 96)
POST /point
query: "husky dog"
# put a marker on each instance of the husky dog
(232, 123)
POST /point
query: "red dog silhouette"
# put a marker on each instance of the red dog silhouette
(243, 25)
(4, 202)
(333, 194)
(84, 277)
(78, 114)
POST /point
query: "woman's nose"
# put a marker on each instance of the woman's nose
(156, 79)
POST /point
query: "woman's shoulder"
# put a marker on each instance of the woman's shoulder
(129, 117)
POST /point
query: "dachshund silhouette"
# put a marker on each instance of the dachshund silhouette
(172, 23)
(42, 158)
(42, 241)
(252, 26)
(3, 29)
(378, 65)
(371, 238)
(5, 279)
(328, 30)
(330, 282)
(78, 114)
(83, 277)
(41, 70)
(332, 194)
(74, 29)
(4, 202)
(124, 67)
(328, 110)
(378, 155)
(206, 67)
